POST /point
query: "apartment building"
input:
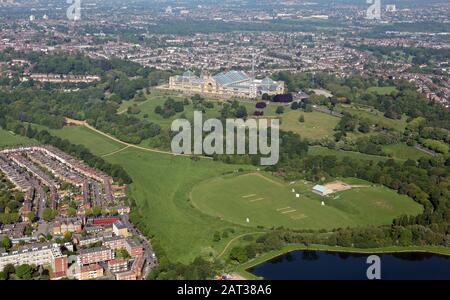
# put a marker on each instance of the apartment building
(95, 255)
(118, 265)
(91, 272)
(37, 254)
(127, 275)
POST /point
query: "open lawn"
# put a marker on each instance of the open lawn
(267, 202)
(404, 152)
(374, 116)
(385, 90)
(317, 125)
(97, 144)
(164, 184)
(318, 150)
(8, 139)
(161, 186)
(157, 98)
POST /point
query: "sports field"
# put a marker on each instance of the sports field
(257, 199)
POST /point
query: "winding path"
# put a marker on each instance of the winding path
(236, 238)
(84, 123)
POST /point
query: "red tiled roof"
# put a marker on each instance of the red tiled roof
(104, 221)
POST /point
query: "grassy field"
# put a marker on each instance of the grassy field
(161, 186)
(82, 135)
(316, 126)
(8, 139)
(374, 116)
(267, 202)
(404, 152)
(318, 150)
(385, 90)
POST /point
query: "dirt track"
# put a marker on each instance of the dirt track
(84, 123)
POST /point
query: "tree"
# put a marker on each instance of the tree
(216, 237)
(241, 112)
(122, 253)
(9, 269)
(280, 110)
(6, 243)
(31, 216)
(24, 271)
(28, 230)
(71, 212)
(67, 237)
(238, 254)
(301, 119)
(97, 210)
(364, 127)
(261, 105)
(405, 238)
(48, 214)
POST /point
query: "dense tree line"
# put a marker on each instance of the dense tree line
(75, 64)
(10, 202)
(170, 108)
(49, 108)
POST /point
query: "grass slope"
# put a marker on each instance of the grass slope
(161, 186)
(384, 90)
(316, 126)
(96, 143)
(374, 116)
(318, 150)
(8, 139)
(404, 152)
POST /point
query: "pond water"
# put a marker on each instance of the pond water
(327, 265)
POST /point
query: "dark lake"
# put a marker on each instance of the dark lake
(325, 265)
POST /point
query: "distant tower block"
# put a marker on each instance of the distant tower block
(32, 18)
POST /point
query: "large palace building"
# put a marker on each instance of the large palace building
(226, 84)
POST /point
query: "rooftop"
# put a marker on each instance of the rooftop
(96, 249)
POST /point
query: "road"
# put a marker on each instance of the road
(149, 254)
